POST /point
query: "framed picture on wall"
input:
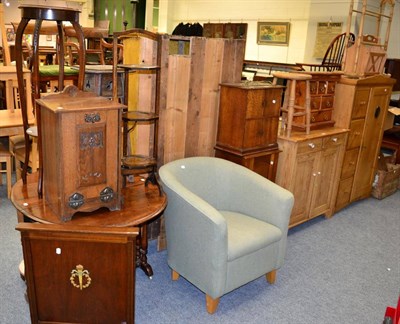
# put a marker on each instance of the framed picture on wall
(273, 33)
(10, 33)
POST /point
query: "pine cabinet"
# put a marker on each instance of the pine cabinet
(361, 106)
(309, 166)
(248, 126)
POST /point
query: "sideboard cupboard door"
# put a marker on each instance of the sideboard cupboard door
(79, 274)
(310, 166)
(324, 177)
(305, 164)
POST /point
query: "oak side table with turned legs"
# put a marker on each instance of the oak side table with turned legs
(140, 205)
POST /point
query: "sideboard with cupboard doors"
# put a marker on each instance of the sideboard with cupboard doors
(309, 167)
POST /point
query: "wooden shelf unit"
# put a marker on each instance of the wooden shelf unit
(141, 95)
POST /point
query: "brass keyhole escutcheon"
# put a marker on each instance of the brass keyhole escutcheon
(80, 275)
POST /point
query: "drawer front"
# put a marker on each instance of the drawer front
(313, 87)
(322, 87)
(315, 103)
(360, 103)
(355, 135)
(91, 117)
(333, 141)
(344, 193)
(310, 146)
(331, 87)
(106, 85)
(327, 102)
(349, 163)
(321, 116)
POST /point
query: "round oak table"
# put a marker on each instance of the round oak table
(140, 205)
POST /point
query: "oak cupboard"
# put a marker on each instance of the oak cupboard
(361, 106)
(81, 136)
(309, 166)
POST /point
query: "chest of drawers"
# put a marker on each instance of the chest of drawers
(322, 101)
(81, 135)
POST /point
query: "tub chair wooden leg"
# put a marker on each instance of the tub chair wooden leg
(212, 304)
(271, 277)
(175, 275)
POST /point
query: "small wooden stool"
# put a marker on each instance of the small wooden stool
(5, 157)
(290, 108)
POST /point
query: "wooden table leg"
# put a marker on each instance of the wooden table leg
(141, 260)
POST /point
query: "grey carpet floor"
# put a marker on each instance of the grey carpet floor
(340, 270)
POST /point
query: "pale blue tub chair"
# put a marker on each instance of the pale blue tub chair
(225, 224)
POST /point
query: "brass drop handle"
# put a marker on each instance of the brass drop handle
(311, 145)
(81, 275)
(334, 139)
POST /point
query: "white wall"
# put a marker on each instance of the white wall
(12, 12)
(303, 16)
